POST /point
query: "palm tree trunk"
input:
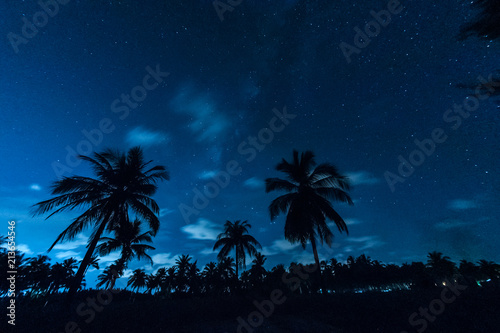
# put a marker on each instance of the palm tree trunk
(86, 260)
(316, 260)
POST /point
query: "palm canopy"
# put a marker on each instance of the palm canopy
(128, 239)
(235, 236)
(124, 182)
(307, 204)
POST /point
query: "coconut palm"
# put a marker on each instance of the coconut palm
(182, 270)
(128, 239)
(441, 267)
(307, 205)
(257, 271)
(138, 279)
(486, 24)
(235, 236)
(124, 182)
(108, 277)
(38, 274)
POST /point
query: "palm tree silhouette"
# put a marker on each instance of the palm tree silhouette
(486, 24)
(38, 275)
(226, 268)
(257, 271)
(182, 273)
(307, 204)
(124, 182)
(235, 236)
(108, 277)
(137, 280)
(441, 267)
(128, 239)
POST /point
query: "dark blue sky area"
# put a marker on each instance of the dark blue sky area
(225, 78)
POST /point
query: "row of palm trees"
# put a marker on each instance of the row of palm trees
(36, 277)
(125, 183)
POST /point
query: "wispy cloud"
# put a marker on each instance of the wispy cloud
(362, 178)
(165, 211)
(207, 174)
(164, 259)
(365, 242)
(140, 136)
(349, 222)
(68, 254)
(461, 204)
(80, 240)
(207, 122)
(24, 248)
(35, 187)
(207, 251)
(451, 224)
(110, 257)
(254, 183)
(279, 246)
(203, 229)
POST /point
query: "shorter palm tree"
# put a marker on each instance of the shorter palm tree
(137, 280)
(108, 277)
(235, 236)
(128, 239)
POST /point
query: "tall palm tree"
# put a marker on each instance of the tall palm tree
(235, 236)
(307, 205)
(124, 182)
(128, 239)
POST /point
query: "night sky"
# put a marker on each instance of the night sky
(227, 80)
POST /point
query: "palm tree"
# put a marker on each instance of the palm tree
(441, 267)
(153, 283)
(38, 274)
(486, 24)
(226, 270)
(307, 205)
(138, 279)
(182, 269)
(94, 262)
(257, 271)
(235, 236)
(124, 182)
(108, 277)
(129, 239)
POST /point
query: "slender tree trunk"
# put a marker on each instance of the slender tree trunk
(86, 260)
(318, 267)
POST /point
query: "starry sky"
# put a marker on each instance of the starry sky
(213, 87)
